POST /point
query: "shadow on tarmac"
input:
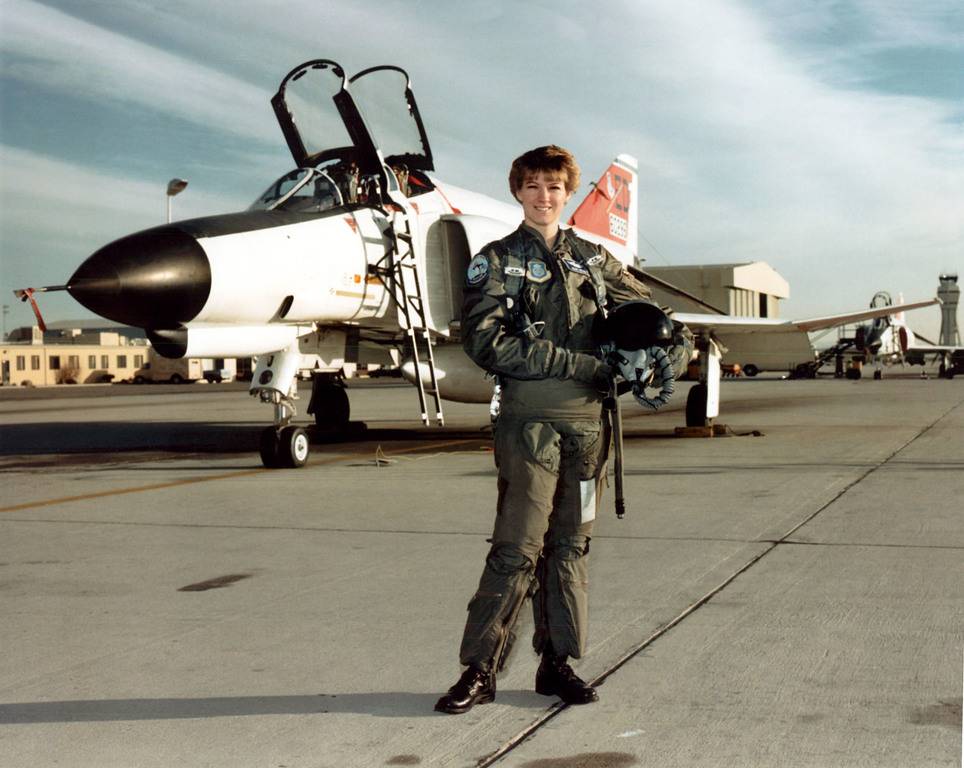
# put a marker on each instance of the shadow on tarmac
(379, 704)
(110, 437)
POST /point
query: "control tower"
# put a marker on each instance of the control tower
(949, 294)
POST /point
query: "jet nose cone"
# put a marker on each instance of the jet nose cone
(158, 278)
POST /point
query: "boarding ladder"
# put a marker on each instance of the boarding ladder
(400, 276)
(846, 339)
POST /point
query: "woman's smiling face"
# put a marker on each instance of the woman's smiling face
(543, 197)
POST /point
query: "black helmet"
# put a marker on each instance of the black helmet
(636, 325)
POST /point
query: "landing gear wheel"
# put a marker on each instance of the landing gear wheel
(750, 370)
(330, 406)
(878, 375)
(293, 447)
(269, 448)
(696, 406)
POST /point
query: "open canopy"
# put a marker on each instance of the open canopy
(370, 119)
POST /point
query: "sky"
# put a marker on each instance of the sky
(825, 138)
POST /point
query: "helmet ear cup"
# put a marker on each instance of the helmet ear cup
(635, 325)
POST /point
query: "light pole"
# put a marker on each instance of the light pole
(174, 186)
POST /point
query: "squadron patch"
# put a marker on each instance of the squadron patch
(478, 270)
(597, 259)
(575, 266)
(537, 271)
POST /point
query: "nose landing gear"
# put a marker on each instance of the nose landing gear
(282, 445)
(287, 447)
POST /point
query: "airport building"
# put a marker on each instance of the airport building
(750, 289)
(29, 357)
(97, 354)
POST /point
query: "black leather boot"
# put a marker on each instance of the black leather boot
(556, 678)
(476, 686)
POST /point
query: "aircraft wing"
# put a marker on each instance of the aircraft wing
(727, 324)
(933, 348)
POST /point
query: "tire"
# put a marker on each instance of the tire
(139, 379)
(878, 375)
(696, 406)
(750, 370)
(293, 447)
(269, 448)
(330, 406)
(176, 378)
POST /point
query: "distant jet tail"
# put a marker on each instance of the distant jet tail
(608, 215)
(898, 317)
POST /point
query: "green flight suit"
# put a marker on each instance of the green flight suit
(551, 441)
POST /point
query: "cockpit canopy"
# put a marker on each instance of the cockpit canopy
(335, 183)
(303, 190)
(371, 120)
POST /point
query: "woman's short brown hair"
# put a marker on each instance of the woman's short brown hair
(551, 160)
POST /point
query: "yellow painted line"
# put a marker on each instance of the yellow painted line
(122, 491)
(225, 476)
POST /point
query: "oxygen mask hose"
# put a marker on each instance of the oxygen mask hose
(663, 378)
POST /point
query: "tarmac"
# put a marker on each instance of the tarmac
(788, 595)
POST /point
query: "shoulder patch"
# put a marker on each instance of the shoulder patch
(574, 266)
(597, 259)
(478, 270)
(538, 272)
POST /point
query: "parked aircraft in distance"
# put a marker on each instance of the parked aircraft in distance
(357, 255)
(888, 340)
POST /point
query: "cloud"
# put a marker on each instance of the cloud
(54, 214)
(930, 23)
(48, 48)
(39, 191)
(760, 128)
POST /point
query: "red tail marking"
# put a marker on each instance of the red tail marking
(605, 211)
(902, 337)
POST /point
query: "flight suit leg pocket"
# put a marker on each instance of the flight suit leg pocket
(543, 444)
(585, 446)
(583, 457)
(568, 603)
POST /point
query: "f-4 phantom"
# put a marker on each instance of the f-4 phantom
(888, 340)
(358, 255)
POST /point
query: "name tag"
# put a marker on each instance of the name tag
(575, 266)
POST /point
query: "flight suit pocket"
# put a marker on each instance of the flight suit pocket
(584, 447)
(542, 443)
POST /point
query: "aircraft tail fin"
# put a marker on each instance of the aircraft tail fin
(608, 214)
(899, 318)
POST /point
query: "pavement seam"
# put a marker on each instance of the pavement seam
(560, 706)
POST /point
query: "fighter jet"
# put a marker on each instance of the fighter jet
(888, 340)
(358, 255)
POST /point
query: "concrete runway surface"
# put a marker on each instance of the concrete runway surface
(793, 597)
